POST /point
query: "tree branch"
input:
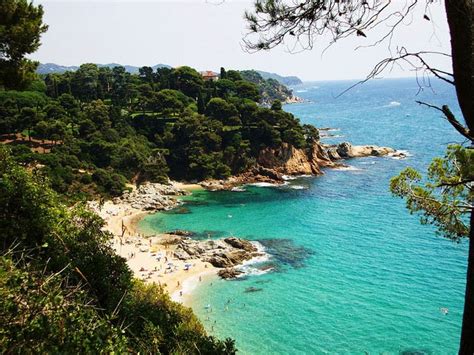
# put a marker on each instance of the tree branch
(466, 132)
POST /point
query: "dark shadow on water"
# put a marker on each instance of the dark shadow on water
(253, 289)
(208, 234)
(285, 252)
(416, 352)
(179, 210)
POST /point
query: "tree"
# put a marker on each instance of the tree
(275, 21)
(21, 26)
(187, 80)
(223, 111)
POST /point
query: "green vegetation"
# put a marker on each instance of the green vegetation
(96, 128)
(270, 89)
(67, 137)
(445, 200)
(63, 289)
(21, 26)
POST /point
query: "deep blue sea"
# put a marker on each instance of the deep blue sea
(353, 271)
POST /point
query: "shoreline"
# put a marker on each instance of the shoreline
(175, 261)
(148, 255)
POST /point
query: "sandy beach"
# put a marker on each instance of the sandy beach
(151, 257)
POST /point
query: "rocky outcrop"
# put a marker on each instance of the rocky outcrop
(151, 197)
(347, 150)
(229, 273)
(147, 197)
(288, 160)
(226, 253)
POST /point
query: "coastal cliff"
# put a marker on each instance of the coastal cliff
(289, 160)
(273, 165)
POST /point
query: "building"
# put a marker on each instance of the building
(209, 75)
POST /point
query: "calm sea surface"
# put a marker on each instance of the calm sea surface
(353, 271)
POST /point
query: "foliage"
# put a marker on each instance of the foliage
(97, 128)
(64, 289)
(21, 26)
(269, 89)
(445, 199)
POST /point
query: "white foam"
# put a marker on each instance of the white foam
(248, 267)
(263, 184)
(400, 154)
(347, 168)
(393, 104)
(302, 90)
(288, 178)
(268, 184)
(238, 189)
(297, 187)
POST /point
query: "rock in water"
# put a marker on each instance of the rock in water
(229, 273)
(347, 150)
(241, 244)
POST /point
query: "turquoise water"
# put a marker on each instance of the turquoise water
(354, 272)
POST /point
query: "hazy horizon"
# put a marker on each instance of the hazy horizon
(207, 36)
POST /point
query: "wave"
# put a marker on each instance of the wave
(347, 168)
(400, 154)
(249, 267)
(393, 104)
(332, 136)
(302, 90)
(268, 184)
(237, 189)
(297, 187)
(329, 129)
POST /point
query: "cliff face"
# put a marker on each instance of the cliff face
(273, 163)
(289, 160)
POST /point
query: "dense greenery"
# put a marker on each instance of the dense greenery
(21, 26)
(270, 89)
(63, 289)
(102, 127)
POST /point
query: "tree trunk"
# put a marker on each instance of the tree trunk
(467, 333)
(460, 15)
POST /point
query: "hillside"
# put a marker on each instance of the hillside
(50, 68)
(285, 80)
(269, 89)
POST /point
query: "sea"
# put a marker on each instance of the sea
(350, 270)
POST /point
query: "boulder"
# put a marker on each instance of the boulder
(229, 273)
(240, 244)
(181, 254)
(347, 150)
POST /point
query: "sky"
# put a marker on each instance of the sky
(207, 35)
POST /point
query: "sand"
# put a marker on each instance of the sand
(152, 261)
(148, 256)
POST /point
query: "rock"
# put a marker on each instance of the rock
(219, 261)
(229, 273)
(240, 244)
(181, 254)
(333, 154)
(288, 160)
(181, 233)
(347, 150)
